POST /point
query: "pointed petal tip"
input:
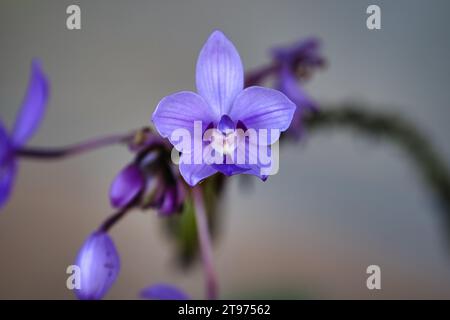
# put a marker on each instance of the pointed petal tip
(219, 72)
(33, 106)
(217, 34)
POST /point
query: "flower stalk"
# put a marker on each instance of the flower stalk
(204, 239)
(86, 146)
(112, 220)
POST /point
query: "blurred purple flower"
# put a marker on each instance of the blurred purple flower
(302, 54)
(27, 121)
(288, 84)
(163, 292)
(296, 61)
(222, 103)
(99, 265)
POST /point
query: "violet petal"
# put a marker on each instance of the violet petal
(33, 106)
(194, 173)
(230, 169)
(263, 108)
(163, 291)
(219, 73)
(8, 167)
(180, 111)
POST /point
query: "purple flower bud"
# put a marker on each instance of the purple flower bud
(163, 291)
(99, 265)
(126, 186)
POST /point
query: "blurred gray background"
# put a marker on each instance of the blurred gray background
(339, 202)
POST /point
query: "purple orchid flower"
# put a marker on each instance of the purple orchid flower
(163, 291)
(99, 265)
(221, 103)
(28, 120)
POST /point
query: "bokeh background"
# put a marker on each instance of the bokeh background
(339, 203)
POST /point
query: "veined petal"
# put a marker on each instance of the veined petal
(99, 265)
(33, 106)
(163, 291)
(219, 73)
(263, 108)
(128, 183)
(194, 173)
(180, 111)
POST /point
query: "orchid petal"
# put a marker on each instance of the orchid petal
(263, 108)
(8, 167)
(194, 173)
(178, 112)
(33, 106)
(229, 169)
(219, 73)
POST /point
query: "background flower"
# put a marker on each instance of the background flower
(27, 122)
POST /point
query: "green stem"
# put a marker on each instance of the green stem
(394, 129)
